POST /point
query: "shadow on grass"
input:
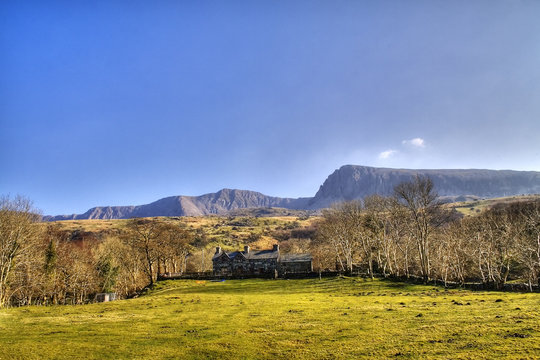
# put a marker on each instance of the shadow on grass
(343, 285)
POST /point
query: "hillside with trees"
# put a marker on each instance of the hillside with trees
(410, 234)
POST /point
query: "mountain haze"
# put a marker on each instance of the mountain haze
(349, 182)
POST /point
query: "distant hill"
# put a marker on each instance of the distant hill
(355, 182)
(475, 207)
(220, 202)
(269, 212)
(347, 183)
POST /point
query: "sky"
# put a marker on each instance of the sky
(125, 102)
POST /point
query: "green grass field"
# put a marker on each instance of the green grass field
(334, 318)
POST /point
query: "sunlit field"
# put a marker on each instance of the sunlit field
(340, 318)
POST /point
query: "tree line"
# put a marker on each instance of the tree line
(413, 234)
(42, 264)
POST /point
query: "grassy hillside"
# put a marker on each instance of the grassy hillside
(266, 319)
(471, 208)
(231, 232)
(247, 224)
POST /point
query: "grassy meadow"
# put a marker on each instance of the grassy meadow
(333, 318)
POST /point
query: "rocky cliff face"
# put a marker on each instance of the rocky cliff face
(347, 183)
(356, 182)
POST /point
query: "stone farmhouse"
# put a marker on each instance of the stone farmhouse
(260, 262)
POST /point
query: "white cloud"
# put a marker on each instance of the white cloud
(416, 142)
(386, 154)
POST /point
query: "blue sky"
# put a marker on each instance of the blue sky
(125, 102)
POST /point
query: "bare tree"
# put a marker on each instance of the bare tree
(376, 241)
(130, 276)
(497, 236)
(522, 224)
(530, 244)
(399, 236)
(17, 218)
(53, 238)
(456, 252)
(27, 280)
(420, 199)
(342, 228)
(77, 272)
(175, 246)
(143, 236)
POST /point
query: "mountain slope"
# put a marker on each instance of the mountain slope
(355, 182)
(213, 203)
(347, 183)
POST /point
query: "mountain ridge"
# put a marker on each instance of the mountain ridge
(349, 182)
(219, 202)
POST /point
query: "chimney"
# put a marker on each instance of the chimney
(275, 247)
(246, 249)
(218, 249)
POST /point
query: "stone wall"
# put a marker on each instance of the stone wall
(222, 266)
(240, 266)
(295, 267)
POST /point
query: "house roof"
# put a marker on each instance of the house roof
(251, 255)
(263, 254)
(221, 253)
(295, 257)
